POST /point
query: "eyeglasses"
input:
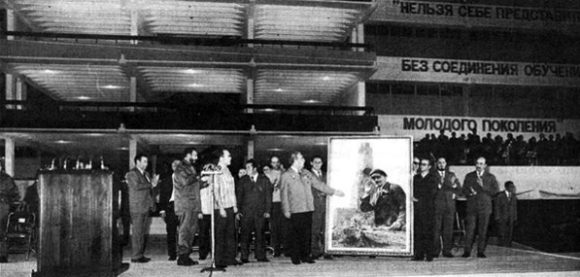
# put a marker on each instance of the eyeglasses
(415, 162)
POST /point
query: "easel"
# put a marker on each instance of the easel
(212, 266)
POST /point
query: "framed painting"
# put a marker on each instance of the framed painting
(375, 216)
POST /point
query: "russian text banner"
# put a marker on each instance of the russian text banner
(451, 14)
(476, 72)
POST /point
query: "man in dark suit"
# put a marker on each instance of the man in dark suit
(187, 205)
(448, 187)
(167, 210)
(387, 201)
(141, 203)
(480, 187)
(424, 189)
(319, 214)
(254, 198)
(506, 213)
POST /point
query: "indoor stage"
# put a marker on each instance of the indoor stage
(499, 262)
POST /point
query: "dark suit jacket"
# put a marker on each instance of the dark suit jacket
(481, 201)
(390, 207)
(254, 198)
(187, 186)
(424, 190)
(319, 196)
(165, 189)
(444, 200)
(140, 199)
(506, 209)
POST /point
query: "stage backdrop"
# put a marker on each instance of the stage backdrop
(349, 229)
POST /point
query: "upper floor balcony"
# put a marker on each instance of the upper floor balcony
(295, 20)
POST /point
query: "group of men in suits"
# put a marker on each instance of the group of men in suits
(434, 195)
(295, 199)
(297, 196)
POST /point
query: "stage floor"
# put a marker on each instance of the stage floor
(499, 262)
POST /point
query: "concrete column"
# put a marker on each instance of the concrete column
(132, 152)
(9, 156)
(10, 23)
(358, 36)
(251, 149)
(20, 92)
(132, 91)
(10, 89)
(361, 94)
(250, 94)
(250, 21)
(134, 24)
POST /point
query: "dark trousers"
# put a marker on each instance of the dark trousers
(423, 234)
(187, 229)
(317, 240)
(4, 211)
(278, 232)
(505, 230)
(443, 231)
(253, 222)
(300, 235)
(225, 238)
(171, 223)
(140, 223)
(205, 236)
(481, 220)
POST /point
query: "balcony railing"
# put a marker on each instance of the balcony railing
(173, 39)
(23, 114)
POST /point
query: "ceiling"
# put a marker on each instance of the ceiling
(303, 20)
(78, 78)
(74, 82)
(302, 87)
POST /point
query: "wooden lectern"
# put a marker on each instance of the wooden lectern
(77, 234)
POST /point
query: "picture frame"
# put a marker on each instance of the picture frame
(371, 219)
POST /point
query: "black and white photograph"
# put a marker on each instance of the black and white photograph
(286, 138)
(375, 218)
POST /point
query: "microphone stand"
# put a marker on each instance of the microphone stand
(212, 266)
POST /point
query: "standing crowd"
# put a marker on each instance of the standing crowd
(461, 149)
(290, 203)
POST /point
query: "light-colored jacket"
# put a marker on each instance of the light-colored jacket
(296, 190)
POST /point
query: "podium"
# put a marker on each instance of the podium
(77, 235)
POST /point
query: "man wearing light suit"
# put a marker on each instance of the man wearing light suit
(298, 204)
(480, 187)
(140, 205)
(448, 188)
